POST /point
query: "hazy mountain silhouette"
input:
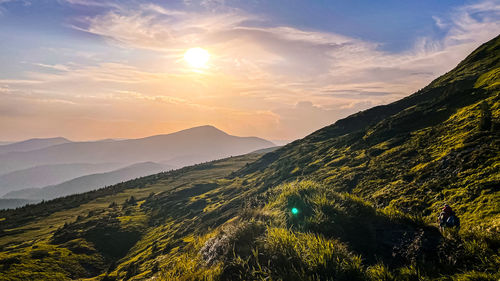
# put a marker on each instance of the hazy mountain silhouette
(89, 182)
(192, 146)
(45, 175)
(31, 144)
(14, 203)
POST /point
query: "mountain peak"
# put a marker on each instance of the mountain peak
(206, 128)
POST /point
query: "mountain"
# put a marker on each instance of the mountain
(41, 176)
(192, 146)
(356, 200)
(89, 182)
(31, 144)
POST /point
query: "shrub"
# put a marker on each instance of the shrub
(233, 239)
(379, 272)
(39, 254)
(282, 254)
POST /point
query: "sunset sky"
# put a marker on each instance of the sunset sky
(91, 69)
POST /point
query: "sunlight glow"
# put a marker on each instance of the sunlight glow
(197, 57)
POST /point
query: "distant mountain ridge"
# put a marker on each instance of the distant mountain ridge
(40, 176)
(32, 144)
(207, 141)
(39, 163)
(88, 182)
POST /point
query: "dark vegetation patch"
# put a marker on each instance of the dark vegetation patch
(104, 232)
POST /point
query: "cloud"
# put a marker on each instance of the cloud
(120, 114)
(306, 117)
(58, 67)
(264, 79)
(351, 93)
(283, 53)
(473, 23)
(3, 2)
(93, 3)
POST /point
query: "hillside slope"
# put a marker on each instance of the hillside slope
(356, 200)
(439, 144)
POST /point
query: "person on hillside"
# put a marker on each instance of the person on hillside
(448, 218)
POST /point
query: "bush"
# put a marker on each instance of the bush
(233, 239)
(380, 272)
(39, 254)
(282, 254)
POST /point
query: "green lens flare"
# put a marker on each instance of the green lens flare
(295, 211)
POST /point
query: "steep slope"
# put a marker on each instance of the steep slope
(354, 201)
(40, 176)
(89, 182)
(31, 144)
(201, 144)
(439, 144)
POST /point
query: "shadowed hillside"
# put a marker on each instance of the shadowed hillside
(356, 200)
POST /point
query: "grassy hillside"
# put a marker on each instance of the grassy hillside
(356, 200)
(438, 145)
(39, 241)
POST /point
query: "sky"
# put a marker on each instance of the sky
(281, 69)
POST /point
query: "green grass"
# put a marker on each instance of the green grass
(39, 233)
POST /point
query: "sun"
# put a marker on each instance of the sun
(197, 57)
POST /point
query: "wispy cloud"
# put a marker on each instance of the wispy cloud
(279, 81)
(3, 2)
(58, 67)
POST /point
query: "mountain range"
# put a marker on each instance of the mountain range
(31, 144)
(198, 144)
(39, 163)
(356, 200)
(88, 182)
(44, 175)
